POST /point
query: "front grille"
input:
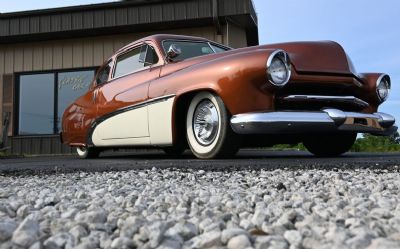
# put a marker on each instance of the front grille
(318, 102)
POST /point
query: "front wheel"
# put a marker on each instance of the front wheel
(329, 145)
(208, 129)
(86, 153)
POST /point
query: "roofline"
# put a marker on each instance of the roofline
(69, 9)
(125, 17)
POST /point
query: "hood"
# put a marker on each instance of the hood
(316, 57)
(306, 57)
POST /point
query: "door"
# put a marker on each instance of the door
(121, 102)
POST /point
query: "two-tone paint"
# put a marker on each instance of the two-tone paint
(141, 108)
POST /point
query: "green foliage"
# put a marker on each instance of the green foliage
(298, 146)
(369, 143)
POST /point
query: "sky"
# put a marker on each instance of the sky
(369, 30)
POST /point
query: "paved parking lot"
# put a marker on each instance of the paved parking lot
(252, 159)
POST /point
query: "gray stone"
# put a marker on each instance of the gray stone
(87, 245)
(186, 230)
(36, 245)
(78, 232)
(27, 233)
(171, 243)
(95, 216)
(271, 242)
(206, 240)
(156, 232)
(259, 217)
(384, 243)
(7, 227)
(294, 237)
(23, 211)
(59, 241)
(239, 242)
(131, 226)
(122, 243)
(227, 234)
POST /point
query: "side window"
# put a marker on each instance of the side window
(128, 62)
(150, 56)
(102, 76)
(218, 49)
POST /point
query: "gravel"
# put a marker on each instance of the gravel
(188, 208)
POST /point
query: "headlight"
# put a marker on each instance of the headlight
(383, 87)
(279, 68)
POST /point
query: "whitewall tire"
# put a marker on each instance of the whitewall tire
(84, 152)
(208, 129)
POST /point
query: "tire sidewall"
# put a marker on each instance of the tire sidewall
(82, 152)
(198, 149)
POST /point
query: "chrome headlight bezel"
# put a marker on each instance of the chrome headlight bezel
(383, 81)
(284, 57)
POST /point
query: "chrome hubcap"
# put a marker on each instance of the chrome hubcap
(205, 122)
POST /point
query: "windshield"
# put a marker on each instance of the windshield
(192, 49)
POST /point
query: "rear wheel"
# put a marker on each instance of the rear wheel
(85, 153)
(208, 129)
(329, 145)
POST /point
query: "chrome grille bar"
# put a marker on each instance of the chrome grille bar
(323, 98)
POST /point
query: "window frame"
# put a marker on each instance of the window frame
(97, 72)
(17, 97)
(164, 50)
(125, 51)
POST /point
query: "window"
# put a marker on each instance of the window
(128, 63)
(218, 49)
(102, 75)
(70, 86)
(43, 98)
(149, 57)
(135, 60)
(190, 49)
(36, 104)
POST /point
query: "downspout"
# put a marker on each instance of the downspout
(217, 24)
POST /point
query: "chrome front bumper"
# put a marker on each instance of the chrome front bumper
(327, 120)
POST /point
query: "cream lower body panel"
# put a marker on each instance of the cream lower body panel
(143, 126)
(160, 122)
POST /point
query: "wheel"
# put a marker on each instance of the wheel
(208, 129)
(329, 145)
(85, 153)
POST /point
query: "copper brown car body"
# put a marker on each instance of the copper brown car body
(149, 107)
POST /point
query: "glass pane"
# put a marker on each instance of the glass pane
(128, 63)
(102, 76)
(218, 49)
(36, 104)
(189, 49)
(71, 85)
(151, 56)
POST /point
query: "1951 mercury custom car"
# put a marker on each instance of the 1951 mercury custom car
(178, 92)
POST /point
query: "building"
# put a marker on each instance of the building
(48, 57)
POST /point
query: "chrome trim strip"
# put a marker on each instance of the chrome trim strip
(327, 98)
(328, 120)
(148, 102)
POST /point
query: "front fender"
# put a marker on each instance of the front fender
(239, 79)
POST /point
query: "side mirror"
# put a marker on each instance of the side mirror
(173, 52)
